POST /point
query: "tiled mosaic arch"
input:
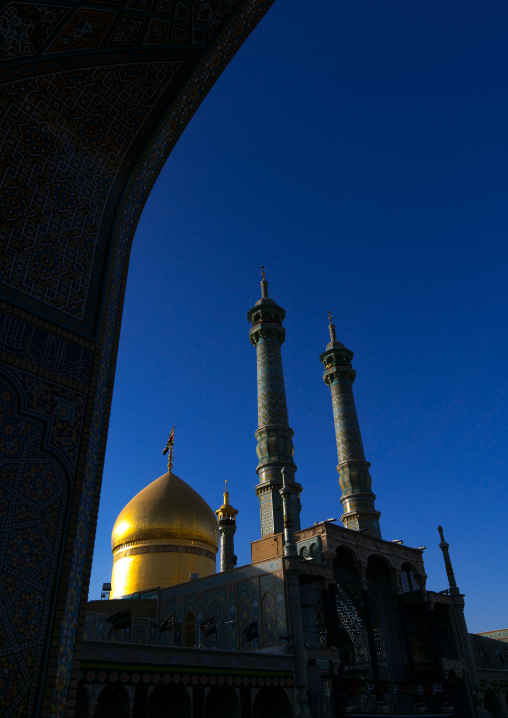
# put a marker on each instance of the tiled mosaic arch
(93, 97)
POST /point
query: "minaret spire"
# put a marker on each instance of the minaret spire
(274, 435)
(333, 335)
(357, 498)
(264, 284)
(226, 516)
(448, 562)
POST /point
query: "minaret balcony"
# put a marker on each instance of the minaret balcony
(267, 331)
(334, 373)
(227, 522)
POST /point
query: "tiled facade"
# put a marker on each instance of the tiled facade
(253, 593)
(301, 593)
(35, 487)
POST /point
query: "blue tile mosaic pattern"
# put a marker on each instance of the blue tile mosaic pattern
(45, 349)
(34, 495)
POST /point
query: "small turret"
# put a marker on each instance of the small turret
(226, 516)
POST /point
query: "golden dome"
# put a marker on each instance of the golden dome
(165, 533)
(168, 507)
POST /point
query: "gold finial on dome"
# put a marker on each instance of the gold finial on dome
(170, 448)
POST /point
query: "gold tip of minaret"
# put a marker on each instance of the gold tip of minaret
(226, 510)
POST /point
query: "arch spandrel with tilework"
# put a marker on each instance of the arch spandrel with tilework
(94, 95)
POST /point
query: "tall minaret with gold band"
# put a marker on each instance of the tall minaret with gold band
(226, 516)
(275, 444)
(357, 498)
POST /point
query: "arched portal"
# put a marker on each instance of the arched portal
(442, 620)
(113, 702)
(408, 579)
(93, 99)
(222, 701)
(82, 707)
(493, 705)
(272, 703)
(387, 626)
(169, 702)
(351, 614)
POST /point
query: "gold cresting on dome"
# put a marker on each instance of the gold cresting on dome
(166, 532)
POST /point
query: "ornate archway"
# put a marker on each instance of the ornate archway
(222, 701)
(493, 705)
(94, 97)
(173, 701)
(113, 702)
(272, 703)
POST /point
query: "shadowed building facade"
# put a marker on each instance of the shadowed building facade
(325, 621)
(94, 96)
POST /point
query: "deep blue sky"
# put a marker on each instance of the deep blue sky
(358, 150)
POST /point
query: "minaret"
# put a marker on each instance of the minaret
(465, 641)
(357, 498)
(226, 516)
(444, 546)
(275, 445)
